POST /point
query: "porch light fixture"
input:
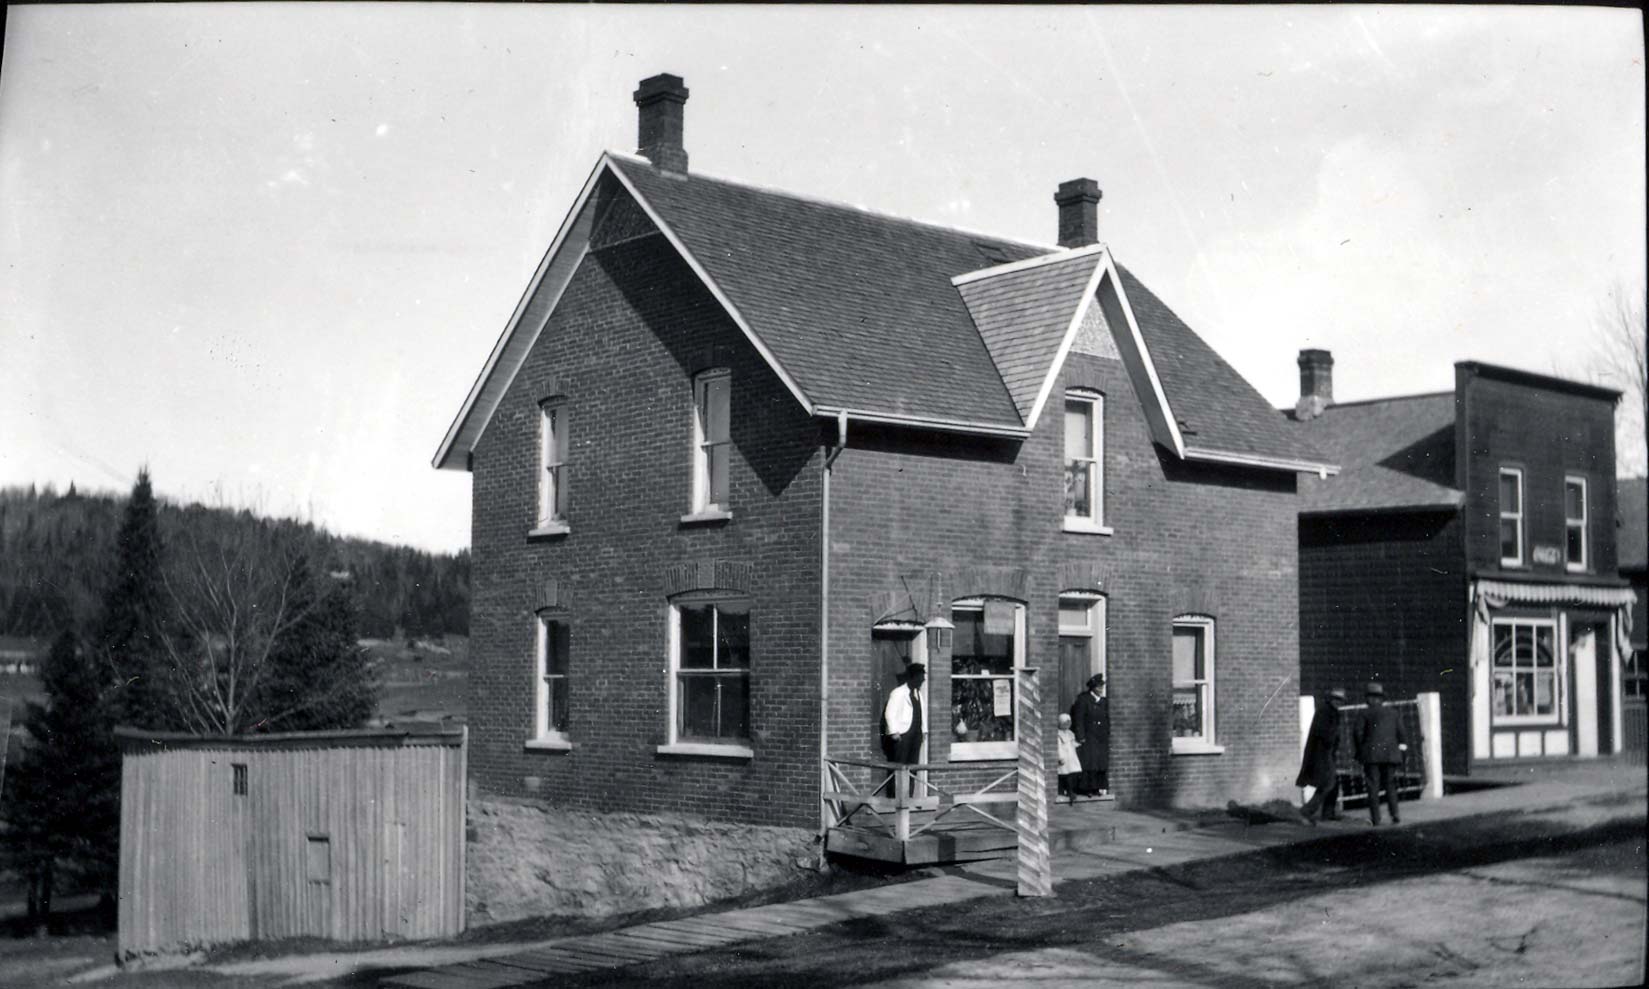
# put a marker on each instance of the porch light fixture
(939, 632)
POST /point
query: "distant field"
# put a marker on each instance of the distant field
(422, 681)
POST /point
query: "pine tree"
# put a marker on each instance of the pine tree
(318, 675)
(62, 803)
(134, 605)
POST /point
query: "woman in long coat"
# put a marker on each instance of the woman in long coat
(1091, 723)
(1322, 747)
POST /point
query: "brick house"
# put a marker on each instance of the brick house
(1468, 548)
(740, 455)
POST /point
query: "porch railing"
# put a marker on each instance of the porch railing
(915, 789)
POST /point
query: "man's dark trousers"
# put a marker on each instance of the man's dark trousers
(1327, 799)
(1377, 775)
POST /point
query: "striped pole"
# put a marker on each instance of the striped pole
(1036, 876)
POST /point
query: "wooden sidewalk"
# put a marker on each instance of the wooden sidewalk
(648, 942)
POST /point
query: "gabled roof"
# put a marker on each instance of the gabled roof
(1395, 454)
(887, 319)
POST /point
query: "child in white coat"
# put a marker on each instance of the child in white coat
(1069, 764)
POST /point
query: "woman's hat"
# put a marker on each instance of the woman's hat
(1097, 680)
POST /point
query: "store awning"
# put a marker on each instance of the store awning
(1506, 592)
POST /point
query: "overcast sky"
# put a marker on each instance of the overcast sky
(265, 249)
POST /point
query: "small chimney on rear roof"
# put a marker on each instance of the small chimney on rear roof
(1316, 384)
(662, 101)
(1078, 202)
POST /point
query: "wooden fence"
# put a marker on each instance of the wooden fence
(352, 836)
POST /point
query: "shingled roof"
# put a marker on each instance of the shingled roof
(1394, 454)
(895, 320)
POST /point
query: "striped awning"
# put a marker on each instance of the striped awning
(1504, 591)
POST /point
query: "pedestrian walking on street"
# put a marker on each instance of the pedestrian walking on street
(1091, 723)
(1070, 763)
(1317, 766)
(1381, 741)
(902, 718)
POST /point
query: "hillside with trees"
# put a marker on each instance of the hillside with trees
(55, 548)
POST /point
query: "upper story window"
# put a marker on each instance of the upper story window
(1574, 522)
(551, 708)
(552, 459)
(711, 393)
(1511, 516)
(710, 671)
(988, 647)
(1084, 461)
(1193, 672)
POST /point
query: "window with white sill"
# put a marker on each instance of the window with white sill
(1574, 522)
(988, 648)
(551, 704)
(1084, 460)
(1193, 684)
(1511, 516)
(710, 671)
(712, 392)
(552, 460)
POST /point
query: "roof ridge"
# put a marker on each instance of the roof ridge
(1390, 398)
(838, 204)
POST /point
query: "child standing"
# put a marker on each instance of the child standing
(1069, 765)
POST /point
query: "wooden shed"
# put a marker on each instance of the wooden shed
(348, 835)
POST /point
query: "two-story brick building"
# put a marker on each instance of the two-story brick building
(1468, 548)
(740, 456)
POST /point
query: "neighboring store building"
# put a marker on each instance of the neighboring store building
(1632, 541)
(739, 456)
(1468, 548)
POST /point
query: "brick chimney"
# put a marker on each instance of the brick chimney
(661, 101)
(1316, 384)
(1078, 202)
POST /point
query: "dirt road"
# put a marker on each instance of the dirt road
(1556, 899)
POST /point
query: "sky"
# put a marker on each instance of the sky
(264, 249)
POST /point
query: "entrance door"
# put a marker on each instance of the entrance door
(893, 648)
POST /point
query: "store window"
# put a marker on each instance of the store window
(1527, 676)
(988, 646)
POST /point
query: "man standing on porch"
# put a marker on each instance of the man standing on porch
(902, 718)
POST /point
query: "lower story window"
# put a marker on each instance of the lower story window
(1525, 670)
(987, 648)
(1193, 661)
(1635, 675)
(553, 661)
(710, 667)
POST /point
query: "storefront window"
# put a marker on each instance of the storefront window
(1525, 670)
(987, 647)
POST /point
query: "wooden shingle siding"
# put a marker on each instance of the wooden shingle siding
(1023, 316)
(202, 865)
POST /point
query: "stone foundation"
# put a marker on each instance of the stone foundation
(527, 859)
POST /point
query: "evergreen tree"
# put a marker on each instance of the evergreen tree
(318, 677)
(61, 808)
(134, 606)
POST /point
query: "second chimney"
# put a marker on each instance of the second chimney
(662, 101)
(1078, 202)
(1316, 384)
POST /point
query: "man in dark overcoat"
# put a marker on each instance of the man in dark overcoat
(1091, 723)
(1322, 749)
(1381, 741)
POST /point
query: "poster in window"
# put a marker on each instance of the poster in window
(998, 618)
(1002, 698)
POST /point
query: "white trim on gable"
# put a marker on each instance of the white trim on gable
(1003, 269)
(1065, 342)
(511, 350)
(1322, 470)
(444, 454)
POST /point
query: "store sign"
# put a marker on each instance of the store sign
(1547, 555)
(998, 617)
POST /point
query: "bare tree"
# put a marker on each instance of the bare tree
(1621, 363)
(241, 640)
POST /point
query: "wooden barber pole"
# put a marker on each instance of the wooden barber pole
(1035, 866)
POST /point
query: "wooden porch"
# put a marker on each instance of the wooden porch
(909, 814)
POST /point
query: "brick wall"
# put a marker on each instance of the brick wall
(1187, 539)
(632, 329)
(1548, 432)
(1383, 597)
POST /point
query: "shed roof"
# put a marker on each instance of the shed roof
(1394, 454)
(424, 733)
